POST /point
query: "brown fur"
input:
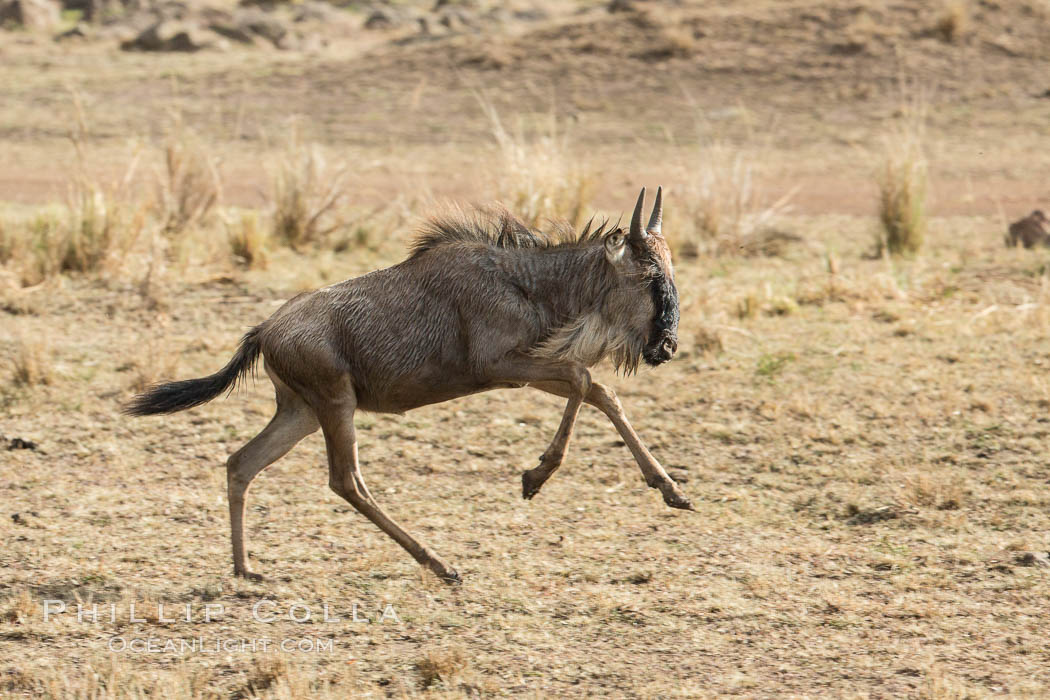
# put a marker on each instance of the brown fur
(1029, 231)
(481, 303)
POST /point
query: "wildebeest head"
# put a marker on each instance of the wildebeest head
(644, 252)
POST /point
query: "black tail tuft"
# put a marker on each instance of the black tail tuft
(178, 396)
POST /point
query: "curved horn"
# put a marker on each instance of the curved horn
(636, 218)
(657, 216)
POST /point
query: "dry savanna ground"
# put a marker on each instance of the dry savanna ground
(863, 434)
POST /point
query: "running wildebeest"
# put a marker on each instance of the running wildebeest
(482, 302)
(1029, 231)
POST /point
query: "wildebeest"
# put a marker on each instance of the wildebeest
(1029, 231)
(482, 302)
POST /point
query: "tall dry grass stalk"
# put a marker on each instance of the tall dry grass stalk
(248, 241)
(189, 188)
(31, 363)
(92, 232)
(954, 21)
(539, 177)
(10, 244)
(903, 178)
(305, 192)
(728, 211)
(103, 222)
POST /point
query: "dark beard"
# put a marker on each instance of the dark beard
(663, 336)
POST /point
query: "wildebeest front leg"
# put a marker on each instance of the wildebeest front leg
(577, 382)
(532, 480)
(605, 400)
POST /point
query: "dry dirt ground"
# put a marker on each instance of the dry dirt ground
(864, 439)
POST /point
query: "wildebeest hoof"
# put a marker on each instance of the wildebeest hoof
(451, 577)
(530, 484)
(674, 498)
(249, 575)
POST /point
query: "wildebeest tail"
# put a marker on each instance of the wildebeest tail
(178, 396)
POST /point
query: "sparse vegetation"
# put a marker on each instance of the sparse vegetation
(538, 176)
(441, 666)
(727, 211)
(31, 364)
(305, 193)
(189, 187)
(954, 22)
(865, 439)
(247, 240)
(903, 179)
(770, 365)
(94, 230)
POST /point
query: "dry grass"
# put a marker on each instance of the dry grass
(839, 501)
(903, 180)
(248, 242)
(31, 364)
(102, 226)
(866, 444)
(727, 211)
(955, 21)
(99, 223)
(9, 243)
(538, 176)
(151, 362)
(305, 193)
(189, 187)
(441, 666)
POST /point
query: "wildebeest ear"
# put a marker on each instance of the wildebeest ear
(615, 244)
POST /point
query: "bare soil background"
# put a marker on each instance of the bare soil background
(865, 439)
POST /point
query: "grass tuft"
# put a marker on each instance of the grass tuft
(31, 364)
(954, 22)
(443, 666)
(189, 188)
(538, 176)
(305, 192)
(902, 181)
(94, 231)
(728, 213)
(248, 242)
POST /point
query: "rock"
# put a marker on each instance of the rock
(312, 11)
(233, 31)
(21, 444)
(1040, 559)
(1032, 231)
(456, 20)
(440, 4)
(267, 26)
(382, 19)
(172, 35)
(34, 15)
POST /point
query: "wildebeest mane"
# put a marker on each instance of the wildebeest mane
(498, 228)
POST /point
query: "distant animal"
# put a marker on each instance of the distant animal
(1029, 231)
(482, 302)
